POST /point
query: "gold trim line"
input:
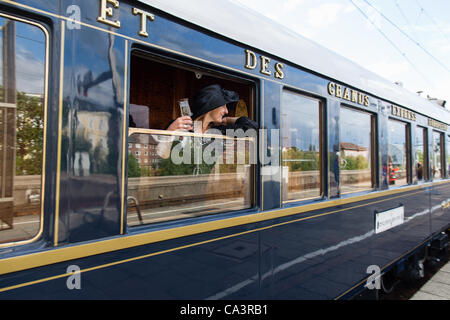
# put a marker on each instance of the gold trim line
(124, 137)
(58, 163)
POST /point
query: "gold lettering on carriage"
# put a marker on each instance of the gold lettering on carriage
(437, 124)
(107, 12)
(351, 95)
(252, 61)
(403, 113)
(107, 8)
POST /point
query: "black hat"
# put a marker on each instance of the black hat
(210, 98)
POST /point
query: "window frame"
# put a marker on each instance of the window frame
(323, 171)
(426, 164)
(46, 33)
(212, 70)
(443, 155)
(447, 155)
(408, 154)
(373, 149)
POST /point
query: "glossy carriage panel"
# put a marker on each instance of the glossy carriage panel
(196, 267)
(440, 209)
(321, 254)
(92, 117)
(328, 252)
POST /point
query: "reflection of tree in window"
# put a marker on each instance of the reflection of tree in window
(30, 124)
(355, 150)
(302, 160)
(22, 81)
(355, 157)
(133, 167)
(300, 138)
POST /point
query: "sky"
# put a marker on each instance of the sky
(405, 41)
(30, 58)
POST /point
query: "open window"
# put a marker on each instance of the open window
(156, 87)
(170, 176)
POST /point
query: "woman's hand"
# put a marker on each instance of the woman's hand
(181, 124)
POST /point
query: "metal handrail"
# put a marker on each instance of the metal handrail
(138, 209)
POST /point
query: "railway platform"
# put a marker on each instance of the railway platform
(437, 288)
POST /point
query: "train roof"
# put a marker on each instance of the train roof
(236, 21)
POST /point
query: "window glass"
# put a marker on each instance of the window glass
(420, 156)
(187, 175)
(22, 90)
(397, 153)
(448, 156)
(301, 150)
(355, 151)
(438, 155)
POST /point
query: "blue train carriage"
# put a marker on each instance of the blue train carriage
(350, 182)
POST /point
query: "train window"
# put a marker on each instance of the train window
(22, 107)
(175, 175)
(301, 147)
(398, 153)
(437, 166)
(356, 151)
(420, 159)
(448, 156)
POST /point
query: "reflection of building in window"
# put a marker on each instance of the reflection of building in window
(91, 142)
(96, 127)
(145, 153)
(166, 190)
(353, 150)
